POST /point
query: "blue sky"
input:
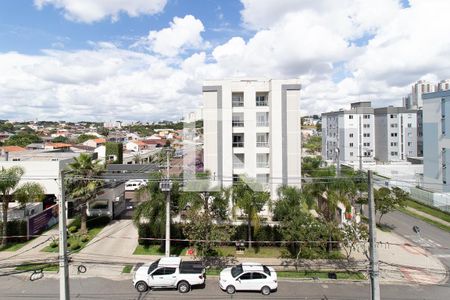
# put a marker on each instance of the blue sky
(28, 30)
(146, 60)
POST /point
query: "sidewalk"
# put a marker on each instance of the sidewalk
(428, 216)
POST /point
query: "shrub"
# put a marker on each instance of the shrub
(75, 246)
(73, 229)
(85, 238)
(54, 244)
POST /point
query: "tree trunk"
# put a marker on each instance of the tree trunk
(379, 220)
(5, 221)
(83, 228)
(249, 228)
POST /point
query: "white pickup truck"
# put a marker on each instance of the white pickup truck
(169, 272)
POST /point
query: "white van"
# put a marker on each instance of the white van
(132, 185)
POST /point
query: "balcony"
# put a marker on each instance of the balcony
(237, 100)
(262, 100)
(262, 124)
(262, 144)
(238, 144)
(262, 164)
(237, 123)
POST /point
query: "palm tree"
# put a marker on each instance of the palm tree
(251, 202)
(83, 183)
(10, 191)
(289, 198)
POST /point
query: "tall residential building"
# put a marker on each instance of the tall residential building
(252, 128)
(436, 141)
(396, 133)
(418, 89)
(443, 85)
(349, 134)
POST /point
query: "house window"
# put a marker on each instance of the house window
(366, 134)
(393, 144)
(238, 140)
(350, 116)
(262, 140)
(393, 134)
(262, 119)
(350, 135)
(261, 100)
(394, 125)
(409, 125)
(351, 144)
(394, 153)
(393, 116)
(366, 116)
(366, 144)
(238, 120)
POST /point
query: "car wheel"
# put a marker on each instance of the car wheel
(231, 289)
(184, 287)
(141, 286)
(265, 290)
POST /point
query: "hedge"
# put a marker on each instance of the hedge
(16, 228)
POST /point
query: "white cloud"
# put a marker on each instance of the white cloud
(183, 33)
(89, 11)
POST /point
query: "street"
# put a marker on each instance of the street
(433, 239)
(12, 287)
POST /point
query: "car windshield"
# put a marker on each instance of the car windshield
(153, 266)
(236, 270)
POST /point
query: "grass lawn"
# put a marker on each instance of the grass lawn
(429, 210)
(32, 267)
(14, 246)
(157, 250)
(127, 269)
(305, 274)
(74, 238)
(432, 222)
(254, 252)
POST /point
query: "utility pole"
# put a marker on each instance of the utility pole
(374, 271)
(64, 293)
(165, 186)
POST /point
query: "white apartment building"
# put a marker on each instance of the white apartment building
(436, 141)
(396, 133)
(349, 134)
(252, 128)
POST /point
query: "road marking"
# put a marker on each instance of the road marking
(442, 255)
(325, 286)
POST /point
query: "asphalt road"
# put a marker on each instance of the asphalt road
(99, 288)
(435, 240)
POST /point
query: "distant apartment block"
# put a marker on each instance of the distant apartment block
(436, 141)
(415, 100)
(396, 133)
(252, 128)
(349, 134)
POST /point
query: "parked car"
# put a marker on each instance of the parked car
(248, 277)
(134, 184)
(169, 272)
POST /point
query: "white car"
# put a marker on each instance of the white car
(248, 277)
(169, 272)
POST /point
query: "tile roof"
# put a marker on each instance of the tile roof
(12, 148)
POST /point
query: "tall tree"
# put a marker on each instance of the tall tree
(289, 198)
(387, 200)
(11, 191)
(250, 199)
(83, 183)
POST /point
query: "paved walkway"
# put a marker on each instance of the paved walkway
(428, 216)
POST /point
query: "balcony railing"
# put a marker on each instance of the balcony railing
(262, 144)
(238, 165)
(262, 123)
(262, 164)
(237, 103)
(237, 123)
(238, 144)
(262, 103)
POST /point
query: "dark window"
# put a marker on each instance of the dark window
(158, 272)
(258, 276)
(266, 270)
(153, 266)
(168, 271)
(236, 270)
(246, 276)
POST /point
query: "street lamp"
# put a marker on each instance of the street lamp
(166, 185)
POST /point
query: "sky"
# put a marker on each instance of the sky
(146, 60)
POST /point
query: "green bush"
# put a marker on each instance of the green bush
(54, 244)
(85, 238)
(73, 229)
(16, 228)
(75, 246)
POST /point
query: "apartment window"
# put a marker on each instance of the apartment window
(394, 153)
(366, 134)
(443, 116)
(409, 134)
(238, 120)
(409, 125)
(262, 140)
(366, 144)
(444, 165)
(367, 154)
(262, 119)
(238, 161)
(238, 140)
(394, 125)
(409, 144)
(262, 160)
(351, 144)
(393, 116)
(261, 100)
(237, 99)
(262, 178)
(394, 134)
(350, 116)
(409, 116)
(235, 178)
(393, 144)
(350, 135)
(366, 116)
(366, 125)
(351, 153)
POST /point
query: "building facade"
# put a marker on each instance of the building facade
(349, 135)
(252, 128)
(436, 141)
(396, 133)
